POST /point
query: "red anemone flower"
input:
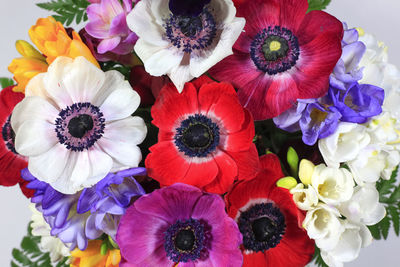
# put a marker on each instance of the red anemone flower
(283, 55)
(205, 137)
(11, 163)
(269, 220)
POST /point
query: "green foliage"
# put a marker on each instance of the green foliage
(67, 11)
(317, 4)
(293, 161)
(30, 255)
(318, 259)
(111, 65)
(389, 196)
(5, 82)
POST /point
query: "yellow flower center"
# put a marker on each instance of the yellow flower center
(274, 46)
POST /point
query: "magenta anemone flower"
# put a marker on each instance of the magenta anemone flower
(179, 224)
(107, 22)
(283, 55)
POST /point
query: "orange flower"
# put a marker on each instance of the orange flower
(53, 41)
(26, 67)
(91, 256)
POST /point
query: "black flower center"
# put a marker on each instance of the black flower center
(274, 50)
(197, 136)
(80, 125)
(262, 226)
(8, 135)
(189, 26)
(184, 240)
(187, 7)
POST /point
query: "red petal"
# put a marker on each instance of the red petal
(8, 100)
(281, 95)
(254, 260)
(247, 162)
(237, 69)
(227, 172)
(241, 140)
(10, 169)
(165, 164)
(316, 23)
(203, 79)
(270, 163)
(219, 100)
(26, 191)
(292, 13)
(317, 60)
(165, 136)
(172, 106)
(201, 173)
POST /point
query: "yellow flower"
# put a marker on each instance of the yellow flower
(92, 257)
(53, 41)
(26, 67)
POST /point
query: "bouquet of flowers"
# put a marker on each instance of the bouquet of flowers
(200, 133)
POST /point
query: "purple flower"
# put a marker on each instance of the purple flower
(346, 70)
(182, 224)
(359, 102)
(318, 122)
(89, 213)
(107, 22)
(289, 120)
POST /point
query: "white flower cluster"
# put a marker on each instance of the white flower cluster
(371, 151)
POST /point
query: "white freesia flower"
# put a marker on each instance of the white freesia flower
(374, 162)
(324, 226)
(384, 129)
(333, 185)
(344, 144)
(364, 206)
(75, 125)
(353, 238)
(305, 198)
(183, 47)
(48, 243)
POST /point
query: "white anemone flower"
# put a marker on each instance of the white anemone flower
(48, 243)
(305, 198)
(75, 125)
(345, 144)
(364, 206)
(183, 47)
(354, 237)
(324, 226)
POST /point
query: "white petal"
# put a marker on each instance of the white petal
(101, 164)
(157, 60)
(113, 80)
(35, 137)
(83, 80)
(142, 22)
(120, 104)
(199, 65)
(180, 75)
(349, 244)
(160, 10)
(53, 81)
(223, 10)
(35, 87)
(120, 140)
(33, 107)
(48, 167)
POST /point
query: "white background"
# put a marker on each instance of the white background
(381, 17)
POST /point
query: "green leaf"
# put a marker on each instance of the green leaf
(375, 231)
(67, 11)
(28, 244)
(20, 257)
(394, 214)
(318, 259)
(13, 264)
(5, 82)
(317, 4)
(385, 226)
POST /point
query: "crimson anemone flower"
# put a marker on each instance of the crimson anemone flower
(11, 163)
(283, 55)
(205, 137)
(269, 220)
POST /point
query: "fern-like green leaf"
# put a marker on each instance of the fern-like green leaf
(5, 82)
(317, 4)
(317, 258)
(67, 11)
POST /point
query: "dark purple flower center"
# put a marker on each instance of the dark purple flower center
(274, 50)
(187, 7)
(197, 136)
(9, 135)
(79, 126)
(189, 33)
(184, 240)
(262, 226)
